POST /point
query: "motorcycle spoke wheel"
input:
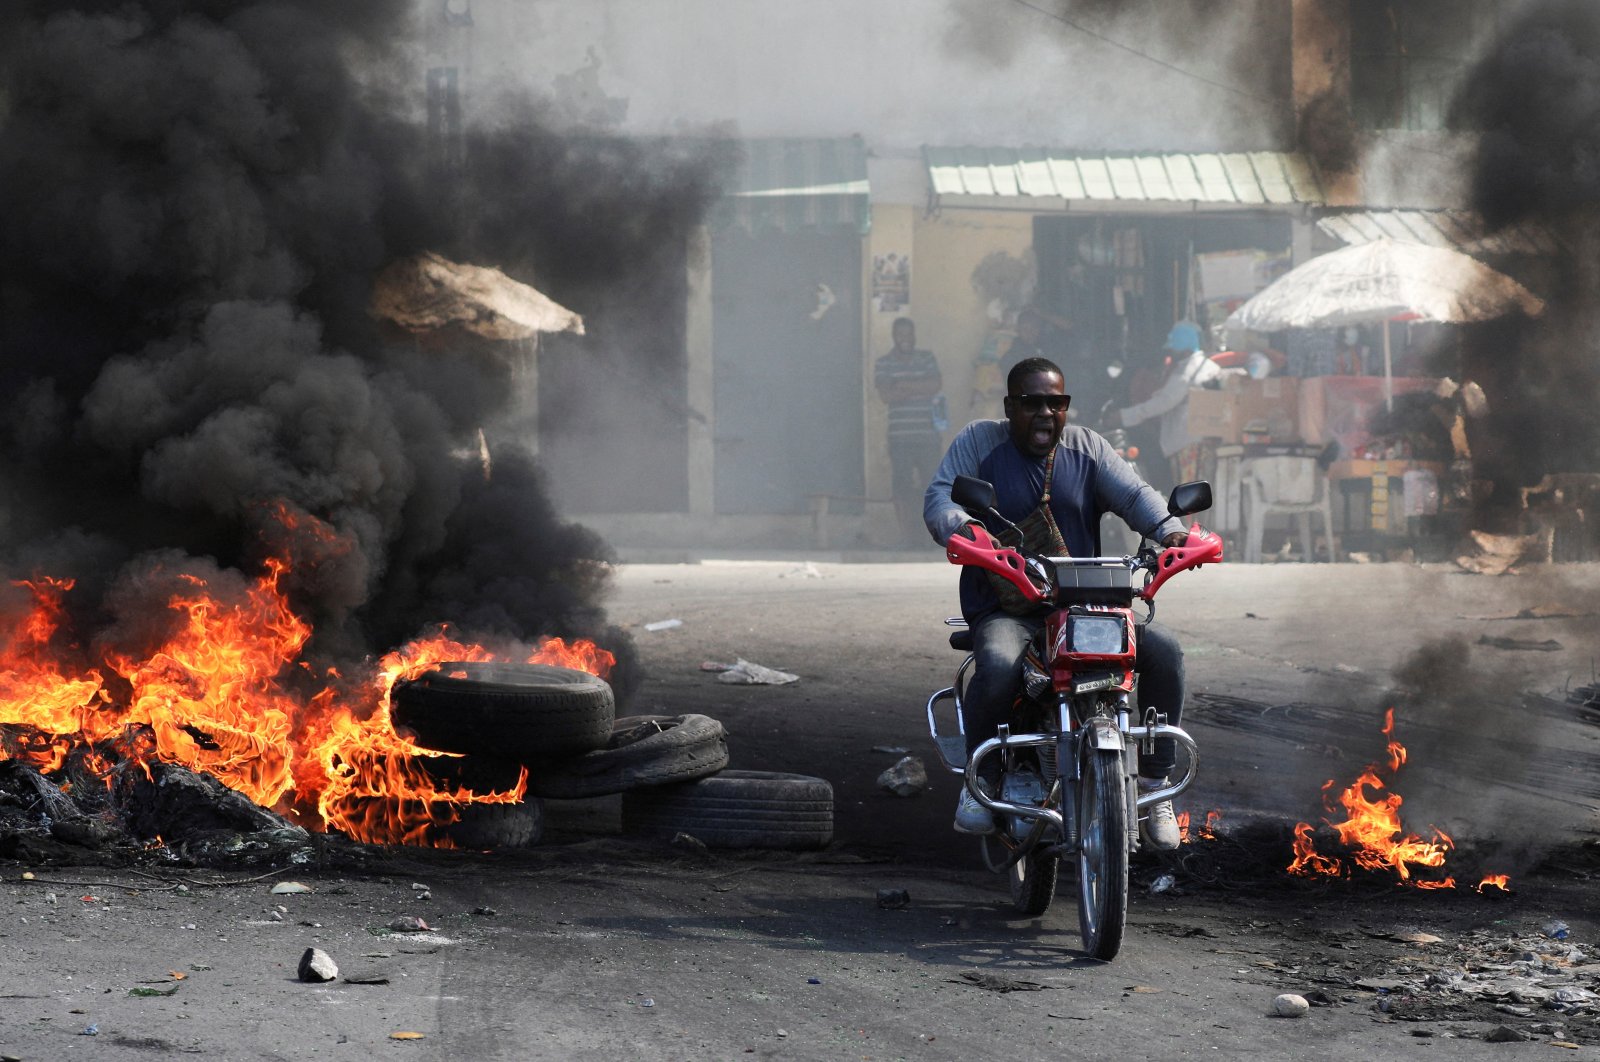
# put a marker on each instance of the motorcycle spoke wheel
(1103, 857)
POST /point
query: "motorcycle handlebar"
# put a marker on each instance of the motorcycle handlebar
(983, 550)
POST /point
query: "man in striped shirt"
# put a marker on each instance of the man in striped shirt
(907, 380)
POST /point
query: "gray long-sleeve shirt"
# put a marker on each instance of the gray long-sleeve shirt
(1089, 479)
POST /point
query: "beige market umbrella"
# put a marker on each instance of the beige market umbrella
(1385, 280)
(428, 291)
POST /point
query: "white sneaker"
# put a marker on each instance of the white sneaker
(1159, 827)
(971, 816)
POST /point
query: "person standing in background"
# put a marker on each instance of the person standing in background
(1187, 366)
(908, 381)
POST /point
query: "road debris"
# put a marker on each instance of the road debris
(743, 673)
(1548, 645)
(1505, 1034)
(408, 924)
(1000, 983)
(908, 777)
(1162, 883)
(1289, 1005)
(317, 966)
(891, 750)
(893, 899)
(289, 888)
(484, 912)
(663, 625)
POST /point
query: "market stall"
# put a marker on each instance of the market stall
(1394, 451)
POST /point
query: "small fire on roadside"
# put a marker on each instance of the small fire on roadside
(1208, 832)
(1372, 832)
(228, 693)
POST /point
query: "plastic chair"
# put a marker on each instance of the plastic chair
(1285, 484)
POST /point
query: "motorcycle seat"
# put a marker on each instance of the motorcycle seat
(961, 640)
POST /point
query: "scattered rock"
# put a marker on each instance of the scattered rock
(892, 750)
(689, 843)
(409, 924)
(289, 888)
(1289, 1005)
(317, 966)
(485, 912)
(908, 777)
(893, 899)
(1505, 1034)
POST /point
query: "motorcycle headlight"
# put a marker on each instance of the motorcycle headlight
(1099, 635)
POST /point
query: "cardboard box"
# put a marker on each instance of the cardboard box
(1212, 415)
(1264, 411)
(1341, 407)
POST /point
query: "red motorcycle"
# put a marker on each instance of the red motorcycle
(1069, 760)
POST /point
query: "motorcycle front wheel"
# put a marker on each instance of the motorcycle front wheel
(1103, 854)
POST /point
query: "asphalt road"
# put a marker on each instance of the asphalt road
(602, 948)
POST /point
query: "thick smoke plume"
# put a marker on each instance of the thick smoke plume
(197, 197)
(1534, 102)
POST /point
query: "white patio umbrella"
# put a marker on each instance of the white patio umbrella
(1381, 281)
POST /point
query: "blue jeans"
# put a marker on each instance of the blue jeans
(1001, 639)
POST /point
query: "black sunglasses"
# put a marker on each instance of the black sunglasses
(1031, 404)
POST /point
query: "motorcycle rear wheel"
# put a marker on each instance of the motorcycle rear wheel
(1033, 882)
(1103, 854)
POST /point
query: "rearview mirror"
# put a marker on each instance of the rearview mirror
(1190, 498)
(970, 492)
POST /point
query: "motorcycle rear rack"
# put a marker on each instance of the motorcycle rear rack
(952, 748)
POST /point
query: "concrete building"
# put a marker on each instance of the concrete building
(950, 161)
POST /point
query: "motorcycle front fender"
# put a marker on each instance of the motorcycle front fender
(1104, 734)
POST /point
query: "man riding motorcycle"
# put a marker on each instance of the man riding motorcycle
(1054, 482)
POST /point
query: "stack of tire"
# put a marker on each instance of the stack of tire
(562, 724)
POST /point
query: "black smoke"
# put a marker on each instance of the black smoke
(1533, 102)
(197, 195)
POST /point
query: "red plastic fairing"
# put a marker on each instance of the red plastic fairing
(1203, 547)
(989, 555)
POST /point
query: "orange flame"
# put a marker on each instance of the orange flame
(1208, 832)
(1372, 829)
(228, 693)
(1499, 881)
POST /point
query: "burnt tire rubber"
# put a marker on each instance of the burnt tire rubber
(1102, 853)
(736, 809)
(644, 750)
(498, 825)
(521, 712)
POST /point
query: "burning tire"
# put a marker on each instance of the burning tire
(522, 712)
(644, 750)
(499, 825)
(736, 809)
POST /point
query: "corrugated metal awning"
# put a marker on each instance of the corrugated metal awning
(1048, 179)
(1461, 230)
(789, 184)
